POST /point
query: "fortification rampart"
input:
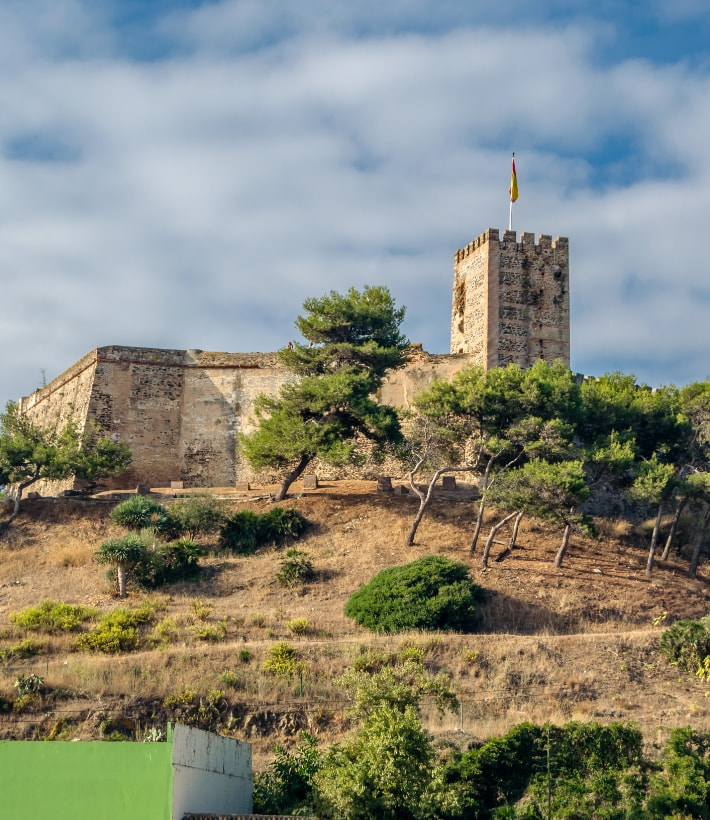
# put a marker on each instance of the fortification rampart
(181, 411)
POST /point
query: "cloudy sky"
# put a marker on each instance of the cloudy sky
(183, 174)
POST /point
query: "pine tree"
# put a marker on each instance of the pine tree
(352, 340)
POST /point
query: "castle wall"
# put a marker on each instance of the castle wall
(181, 412)
(511, 300)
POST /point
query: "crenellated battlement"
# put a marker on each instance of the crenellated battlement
(527, 240)
(511, 299)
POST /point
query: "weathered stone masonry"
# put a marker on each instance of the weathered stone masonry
(511, 300)
(181, 411)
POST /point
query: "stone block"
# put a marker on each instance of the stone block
(177, 485)
(142, 489)
(242, 486)
(384, 484)
(400, 489)
(448, 482)
(310, 481)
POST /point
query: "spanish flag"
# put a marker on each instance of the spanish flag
(513, 190)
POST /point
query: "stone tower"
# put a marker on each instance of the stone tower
(511, 299)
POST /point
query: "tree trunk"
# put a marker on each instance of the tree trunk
(425, 498)
(5, 525)
(513, 538)
(674, 526)
(291, 477)
(479, 524)
(695, 558)
(563, 546)
(482, 505)
(491, 536)
(121, 578)
(654, 540)
(516, 527)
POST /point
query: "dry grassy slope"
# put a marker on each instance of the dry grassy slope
(578, 642)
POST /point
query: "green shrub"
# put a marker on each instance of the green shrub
(373, 660)
(118, 631)
(28, 648)
(282, 660)
(686, 644)
(139, 512)
(246, 530)
(296, 568)
(298, 626)
(192, 516)
(28, 684)
(50, 617)
(239, 534)
(430, 593)
(169, 563)
(205, 632)
(286, 786)
(281, 524)
(230, 678)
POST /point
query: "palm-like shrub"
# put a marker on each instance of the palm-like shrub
(281, 524)
(246, 530)
(123, 553)
(240, 534)
(430, 593)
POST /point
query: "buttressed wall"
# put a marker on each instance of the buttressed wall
(181, 411)
(511, 300)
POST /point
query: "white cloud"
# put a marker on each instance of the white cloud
(196, 200)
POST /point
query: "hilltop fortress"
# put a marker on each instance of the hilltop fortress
(180, 411)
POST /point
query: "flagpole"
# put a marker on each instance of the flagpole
(513, 191)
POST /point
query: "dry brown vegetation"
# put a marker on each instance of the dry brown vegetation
(554, 644)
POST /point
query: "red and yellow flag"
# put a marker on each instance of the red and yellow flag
(513, 190)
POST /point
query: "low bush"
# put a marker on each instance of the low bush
(430, 593)
(298, 626)
(28, 648)
(28, 684)
(281, 524)
(686, 644)
(118, 631)
(168, 563)
(246, 530)
(139, 512)
(50, 617)
(281, 660)
(240, 533)
(296, 568)
(192, 516)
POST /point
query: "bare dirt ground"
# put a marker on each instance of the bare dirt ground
(578, 642)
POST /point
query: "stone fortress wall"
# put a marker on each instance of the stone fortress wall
(181, 411)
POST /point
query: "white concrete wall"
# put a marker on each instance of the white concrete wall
(211, 774)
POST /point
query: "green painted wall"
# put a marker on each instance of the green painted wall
(85, 781)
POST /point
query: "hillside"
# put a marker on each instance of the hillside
(575, 643)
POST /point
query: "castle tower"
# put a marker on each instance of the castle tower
(511, 299)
